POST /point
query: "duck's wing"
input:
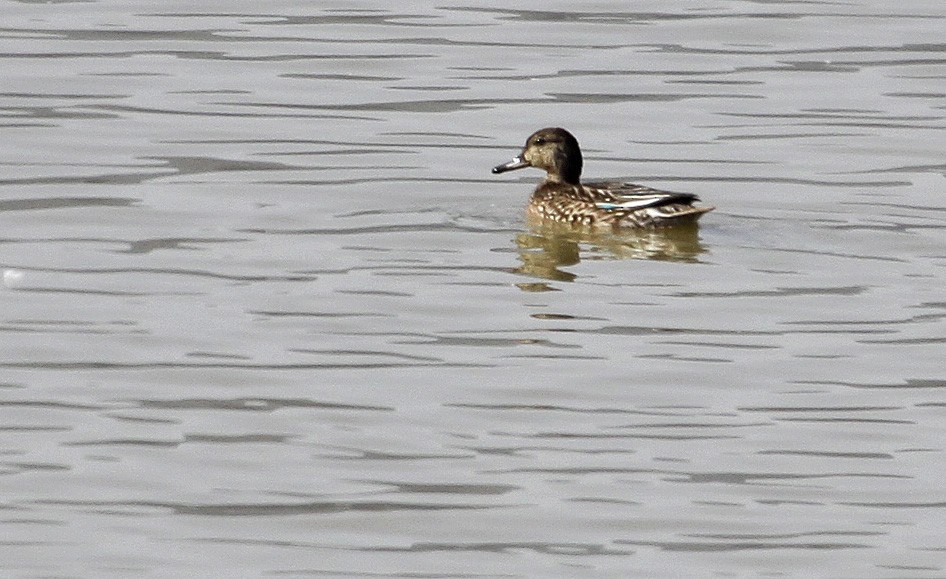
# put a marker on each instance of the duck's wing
(617, 196)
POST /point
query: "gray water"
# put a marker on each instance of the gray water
(265, 311)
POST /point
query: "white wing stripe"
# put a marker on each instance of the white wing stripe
(635, 202)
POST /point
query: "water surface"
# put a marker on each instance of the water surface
(266, 312)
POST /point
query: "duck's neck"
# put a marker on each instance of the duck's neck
(563, 178)
(567, 165)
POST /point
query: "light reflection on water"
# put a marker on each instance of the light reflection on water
(266, 311)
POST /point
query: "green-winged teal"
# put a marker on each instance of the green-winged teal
(562, 198)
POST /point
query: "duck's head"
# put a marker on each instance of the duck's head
(553, 149)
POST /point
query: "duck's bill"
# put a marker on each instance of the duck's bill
(516, 163)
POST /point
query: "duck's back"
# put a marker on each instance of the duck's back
(614, 204)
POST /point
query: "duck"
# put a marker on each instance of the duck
(562, 198)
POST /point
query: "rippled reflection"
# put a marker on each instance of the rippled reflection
(548, 247)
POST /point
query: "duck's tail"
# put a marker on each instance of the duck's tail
(671, 215)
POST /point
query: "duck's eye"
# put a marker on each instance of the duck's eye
(540, 141)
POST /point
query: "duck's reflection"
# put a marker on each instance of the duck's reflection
(546, 248)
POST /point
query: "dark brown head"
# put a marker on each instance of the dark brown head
(552, 149)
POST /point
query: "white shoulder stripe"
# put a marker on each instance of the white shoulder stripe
(632, 201)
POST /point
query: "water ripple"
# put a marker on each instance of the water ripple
(267, 509)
